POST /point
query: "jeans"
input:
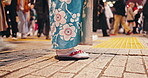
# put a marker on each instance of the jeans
(23, 23)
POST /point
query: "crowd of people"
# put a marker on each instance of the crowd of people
(25, 17)
(125, 17)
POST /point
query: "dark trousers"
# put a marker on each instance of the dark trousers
(43, 26)
(104, 31)
(12, 24)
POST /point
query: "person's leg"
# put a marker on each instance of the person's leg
(22, 21)
(47, 28)
(40, 26)
(116, 23)
(104, 31)
(13, 24)
(123, 22)
(7, 32)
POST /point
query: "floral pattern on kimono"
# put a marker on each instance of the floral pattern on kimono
(66, 22)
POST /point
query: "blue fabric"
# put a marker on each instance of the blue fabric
(66, 22)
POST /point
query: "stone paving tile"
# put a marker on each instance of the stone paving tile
(114, 51)
(47, 71)
(144, 52)
(133, 75)
(135, 60)
(90, 71)
(123, 51)
(114, 71)
(137, 68)
(77, 66)
(20, 73)
(63, 63)
(101, 50)
(119, 61)
(23, 64)
(135, 64)
(109, 77)
(102, 61)
(3, 73)
(62, 75)
(31, 76)
(43, 64)
(135, 51)
(146, 61)
(92, 50)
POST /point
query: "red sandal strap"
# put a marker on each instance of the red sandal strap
(76, 52)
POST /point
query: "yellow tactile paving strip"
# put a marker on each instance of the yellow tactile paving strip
(122, 43)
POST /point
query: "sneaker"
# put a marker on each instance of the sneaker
(14, 38)
(23, 36)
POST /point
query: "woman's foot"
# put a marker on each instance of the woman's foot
(72, 54)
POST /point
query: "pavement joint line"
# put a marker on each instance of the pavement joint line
(86, 66)
(106, 66)
(134, 72)
(40, 69)
(144, 66)
(10, 51)
(62, 69)
(125, 66)
(118, 54)
(110, 76)
(25, 67)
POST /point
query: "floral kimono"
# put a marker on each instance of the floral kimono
(66, 23)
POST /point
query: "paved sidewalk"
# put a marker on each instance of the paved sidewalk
(36, 59)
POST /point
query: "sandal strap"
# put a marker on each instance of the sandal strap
(76, 52)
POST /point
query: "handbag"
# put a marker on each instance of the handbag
(7, 2)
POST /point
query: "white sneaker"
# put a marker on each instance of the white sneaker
(23, 36)
(14, 38)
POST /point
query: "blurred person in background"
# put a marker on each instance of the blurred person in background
(42, 10)
(11, 14)
(131, 17)
(3, 22)
(23, 15)
(120, 17)
(32, 22)
(109, 15)
(102, 19)
(3, 26)
(145, 14)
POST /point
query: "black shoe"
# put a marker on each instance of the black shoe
(39, 34)
(48, 38)
(7, 36)
(106, 35)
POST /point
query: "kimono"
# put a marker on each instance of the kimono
(66, 23)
